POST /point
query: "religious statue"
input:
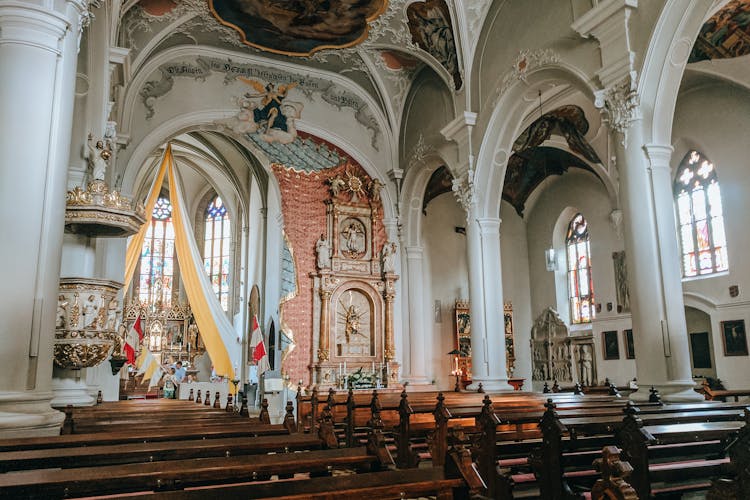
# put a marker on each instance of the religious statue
(337, 184)
(353, 317)
(586, 361)
(353, 240)
(323, 249)
(62, 312)
(100, 152)
(90, 310)
(388, 257)
(111, 315)
(374, 190)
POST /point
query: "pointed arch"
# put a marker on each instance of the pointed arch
(700, 217)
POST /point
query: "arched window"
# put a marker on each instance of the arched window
(580, 282)
(216, 249)
(156, 276)
(696, 191)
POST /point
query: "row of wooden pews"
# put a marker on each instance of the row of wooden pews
(200, 451)
(549, 448)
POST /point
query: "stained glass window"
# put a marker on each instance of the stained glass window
(156, 276)
(580, 281)
(216, 250)
(699, 216)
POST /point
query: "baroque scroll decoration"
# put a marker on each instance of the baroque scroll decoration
(355, 289)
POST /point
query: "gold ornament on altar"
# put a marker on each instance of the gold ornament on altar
(349, 183)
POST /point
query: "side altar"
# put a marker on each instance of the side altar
(353, 291)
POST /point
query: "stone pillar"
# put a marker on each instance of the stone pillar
(658, 314)
(38, 55)
(418, 346)
(389, 350)
(488, 363)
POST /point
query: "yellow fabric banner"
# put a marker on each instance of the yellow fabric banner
(190, 266)
(135, 245)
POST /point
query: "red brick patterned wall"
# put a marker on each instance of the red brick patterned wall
(302, 205)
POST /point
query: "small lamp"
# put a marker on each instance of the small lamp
(455, 353)
(551, 259)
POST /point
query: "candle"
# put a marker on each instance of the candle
(373, 367)
(344, 368)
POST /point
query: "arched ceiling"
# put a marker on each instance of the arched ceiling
(725, 35)
(378, 46)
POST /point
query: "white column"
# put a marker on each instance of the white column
(658, 314)
(418, 352)
(488, 363)
(38, 49)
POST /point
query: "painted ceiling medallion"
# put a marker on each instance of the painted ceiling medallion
(298, 27)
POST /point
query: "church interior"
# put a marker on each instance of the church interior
(430, 243)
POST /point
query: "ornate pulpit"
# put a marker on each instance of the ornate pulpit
(354, 291)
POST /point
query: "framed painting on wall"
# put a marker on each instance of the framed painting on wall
(463, 337)
(611, 345)
(734, 337)
(629, 345)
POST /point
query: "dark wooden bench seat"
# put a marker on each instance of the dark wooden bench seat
(394, 484)
(89, 456)
(135, 435)
(177, 474)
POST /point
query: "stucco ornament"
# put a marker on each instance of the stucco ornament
(465, 192)
(621, 104)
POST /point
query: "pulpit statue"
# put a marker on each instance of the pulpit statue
(586, 366)
(99, 154)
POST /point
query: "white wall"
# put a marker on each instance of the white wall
(713, 119)
(446, 279)
(516, 287)
(578, 191)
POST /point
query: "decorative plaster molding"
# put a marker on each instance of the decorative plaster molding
(419, 152)
(526, 61)
(615, 218)
(475, 12)
(465, 192)
(621, 103)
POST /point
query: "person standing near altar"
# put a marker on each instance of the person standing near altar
(179, 372)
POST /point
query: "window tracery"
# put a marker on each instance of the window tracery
(580, 281)
(216, 250)
(157, 265)
(700, 217)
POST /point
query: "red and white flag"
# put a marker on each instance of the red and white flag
(260, 356)
(133, 340)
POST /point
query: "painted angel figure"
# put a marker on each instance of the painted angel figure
(274, 117)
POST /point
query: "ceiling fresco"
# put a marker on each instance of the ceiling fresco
(431, 29)
(725, 35)
(527, 169)
(298, 27)
(531, 163)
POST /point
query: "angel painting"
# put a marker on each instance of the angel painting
(271, 117)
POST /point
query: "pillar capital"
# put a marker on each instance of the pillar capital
(659, 155)
(489, 225)
(414, 252)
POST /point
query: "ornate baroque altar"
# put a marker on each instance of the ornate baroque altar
(353, 291)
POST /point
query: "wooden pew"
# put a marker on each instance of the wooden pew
(642, 444)
(570, 442)
(395, 484)
(177, 474)
(90, 456)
